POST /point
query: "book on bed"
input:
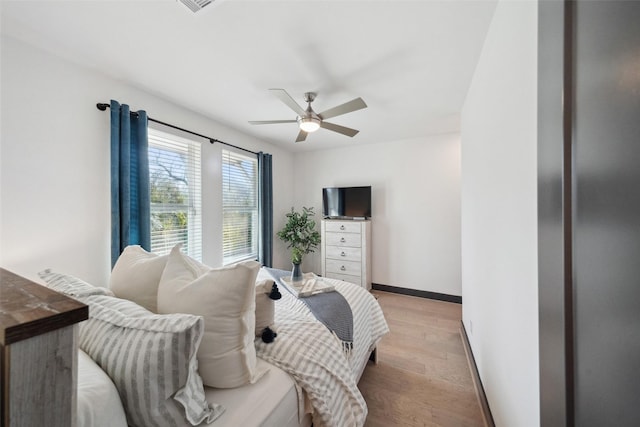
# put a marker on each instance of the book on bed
(309, 285)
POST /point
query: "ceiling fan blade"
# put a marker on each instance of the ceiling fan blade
(287, 99)
(302, 135)
(340, 129)
(270, 122)
(347, 107)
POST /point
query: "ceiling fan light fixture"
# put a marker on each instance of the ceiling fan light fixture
(308, 120)
(309, 124)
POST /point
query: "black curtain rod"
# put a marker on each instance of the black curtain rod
(103, 107)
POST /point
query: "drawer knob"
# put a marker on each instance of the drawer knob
(343, 254)
(342, 240)
(342, 268)
(342, 227)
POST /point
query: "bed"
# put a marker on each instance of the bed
(285, 395)
(272, 401)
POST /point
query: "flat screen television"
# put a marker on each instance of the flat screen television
(346, 202)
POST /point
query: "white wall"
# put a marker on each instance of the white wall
(54, 175)
(499, 219)
(415, 206)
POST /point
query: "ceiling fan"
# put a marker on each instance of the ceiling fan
(310, 121)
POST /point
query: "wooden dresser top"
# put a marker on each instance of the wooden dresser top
(28, 309)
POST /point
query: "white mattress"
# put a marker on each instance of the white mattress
(272, 401)
(98, 399)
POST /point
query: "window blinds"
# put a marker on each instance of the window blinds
(239, 207)
(175, 181)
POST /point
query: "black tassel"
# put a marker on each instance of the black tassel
(268, 335)
(275, 293)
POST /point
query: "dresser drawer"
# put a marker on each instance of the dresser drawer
(351, 279)
(351, 268)
(343, 239)
(343, 226)
(344, 253)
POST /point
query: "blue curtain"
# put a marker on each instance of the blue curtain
(265, 209)
(130, 194)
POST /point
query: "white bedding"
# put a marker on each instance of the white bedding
(98, 400)
(272, 401)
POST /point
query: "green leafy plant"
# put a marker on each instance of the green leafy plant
(300, 233)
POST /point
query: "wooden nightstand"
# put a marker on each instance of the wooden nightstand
(38, 353)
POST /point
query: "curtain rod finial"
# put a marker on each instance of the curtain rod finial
(101, 106)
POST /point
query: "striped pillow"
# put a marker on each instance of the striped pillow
(70, 285)
(151, 359)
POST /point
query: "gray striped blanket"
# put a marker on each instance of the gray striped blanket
(313, 355)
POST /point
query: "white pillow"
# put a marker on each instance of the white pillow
(265, 307)
(136, 276)
(225, 297)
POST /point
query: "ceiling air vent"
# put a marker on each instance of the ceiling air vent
(195, 5)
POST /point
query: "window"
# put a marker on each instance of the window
(174, 174)
(239, 207)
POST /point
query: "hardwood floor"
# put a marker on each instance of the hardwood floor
(422, 377)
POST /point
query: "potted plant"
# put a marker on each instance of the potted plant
(301, 237)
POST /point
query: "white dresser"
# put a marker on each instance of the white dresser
(346, 251)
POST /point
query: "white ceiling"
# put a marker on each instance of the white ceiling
(411, 61)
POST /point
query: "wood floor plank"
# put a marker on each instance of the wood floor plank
(422, 377)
